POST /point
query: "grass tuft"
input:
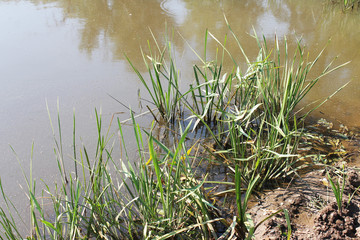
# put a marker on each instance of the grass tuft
(253, 117)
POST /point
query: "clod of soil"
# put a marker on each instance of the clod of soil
(333, 224)
(353, 180)
(311, 215)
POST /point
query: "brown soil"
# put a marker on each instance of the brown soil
(309, 199)
(312, 208)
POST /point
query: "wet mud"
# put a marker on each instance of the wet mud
(311, 203)
(312, 208)
(308, 196)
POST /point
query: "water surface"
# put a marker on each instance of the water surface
(74, 51)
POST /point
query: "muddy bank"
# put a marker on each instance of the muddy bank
(307, 195)
(309, 198)
(312, 208)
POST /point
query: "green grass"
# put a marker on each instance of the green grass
(253, 116)
(338, 190)
(157, 197)
(164, 80)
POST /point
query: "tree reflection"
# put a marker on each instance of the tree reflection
(123, 26)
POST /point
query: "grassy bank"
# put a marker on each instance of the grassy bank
(251, 115)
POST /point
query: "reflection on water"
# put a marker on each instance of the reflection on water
(176, 9)
(74, 50)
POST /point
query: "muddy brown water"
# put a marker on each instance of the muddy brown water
(74, 51)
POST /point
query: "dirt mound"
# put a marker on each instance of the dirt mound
(312, 216)
(353, 180)
(332, 224)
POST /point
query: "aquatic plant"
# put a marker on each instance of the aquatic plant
(252, 115)
(170, 198)
(264, 130)
(347, 4)
(163, 87)
(156, 197)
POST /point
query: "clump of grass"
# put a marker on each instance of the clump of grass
(210, 91)
(170, 199)
(338, 192)
(253, 116)
(242, 202)
(164, 80)
(159, 198)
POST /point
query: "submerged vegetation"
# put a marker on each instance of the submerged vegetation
(347, 4)
(253, 118)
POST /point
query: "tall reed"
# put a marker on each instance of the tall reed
(256, 112)
(253, 116)
(164, 80)
(157, 197)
